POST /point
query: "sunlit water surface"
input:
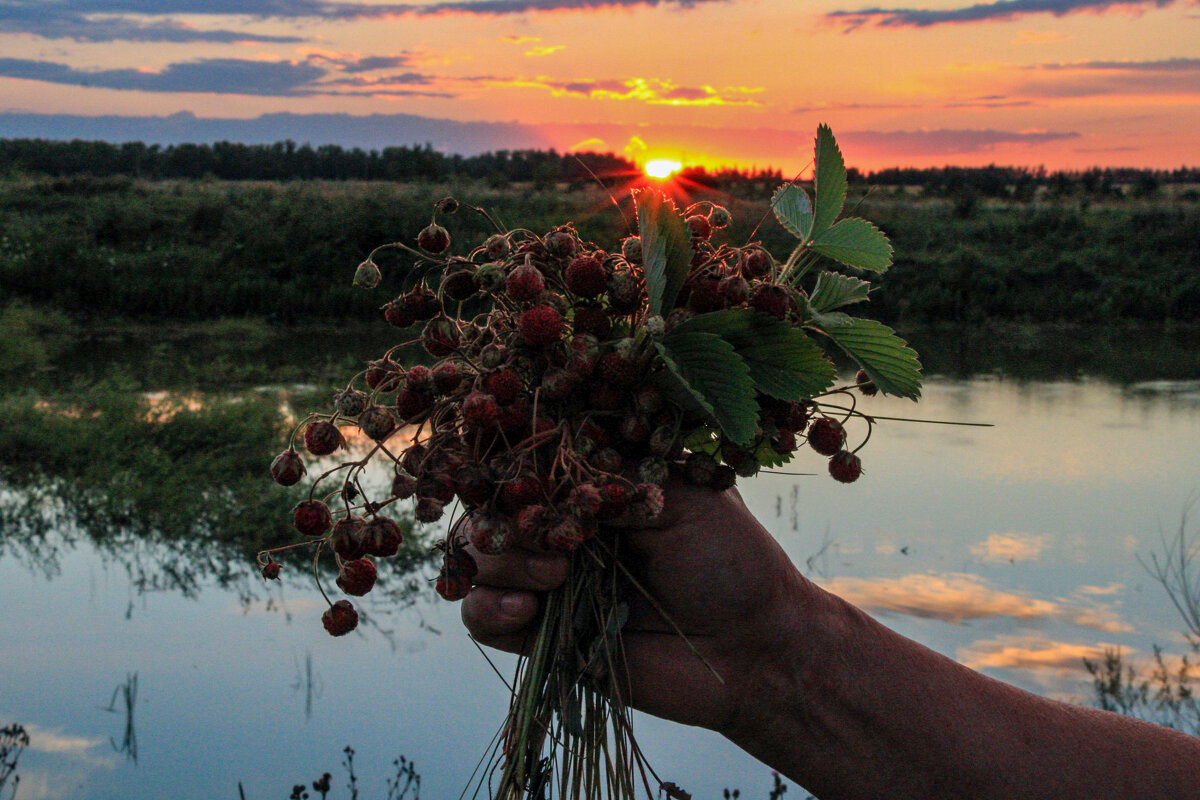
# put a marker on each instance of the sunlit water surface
(1012, 549)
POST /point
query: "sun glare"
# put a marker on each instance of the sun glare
(662, 168)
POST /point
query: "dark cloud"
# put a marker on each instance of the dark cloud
(1003, 10)
(49, 22)
(1163, 65)
(217, 75)
(1097, 78)
(948, 141)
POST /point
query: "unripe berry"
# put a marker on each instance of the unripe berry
(634, 430)
(440, 337)
(428, 510)
(404, 485)
(350, 402)
(606, 460)
(648, 401)
(377, 423)
(560, 244)
(719, 216)
(490, 535)
(367, 276)
(723, 478)
(288, 468)
(734, 290)
(653, 470)
(624, 292)
(433, 239)
(699, 226)
(565, 535)
(631, 249)
(496, 246)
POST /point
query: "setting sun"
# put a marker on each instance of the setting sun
(662, 168)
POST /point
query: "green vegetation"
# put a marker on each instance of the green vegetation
(105, 249)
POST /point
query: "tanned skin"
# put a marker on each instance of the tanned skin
(820, 691)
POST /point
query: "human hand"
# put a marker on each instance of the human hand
(712, 569)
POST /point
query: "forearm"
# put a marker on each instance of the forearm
(854, 710)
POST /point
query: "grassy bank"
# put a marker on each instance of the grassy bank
(97, 249)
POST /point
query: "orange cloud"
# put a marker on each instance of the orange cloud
(653, 91)
(546, 50)
(1030, 652)
(951, 597)
(1010, 547)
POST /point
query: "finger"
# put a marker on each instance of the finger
(521, 569)
(499, 617)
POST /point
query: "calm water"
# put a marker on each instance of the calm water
(1012, 549)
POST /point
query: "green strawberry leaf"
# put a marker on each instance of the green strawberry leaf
(856, 243)
(829, 184)
(666, 248)
(783, 362)
(888, 360)
(834, 290)
(793, 210)
(717, 377)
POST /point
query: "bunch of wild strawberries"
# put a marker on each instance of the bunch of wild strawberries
(538, 416)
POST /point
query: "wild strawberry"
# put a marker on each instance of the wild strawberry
(288, 468)
(796, 418)
(665, 443)
(783, 442)
(377, 423)
(520, 491)
(606, 460)
(357, 577)
(340, 618)
(648, 401)
(414, 459)
(677, 317)
(473, 484)
(347, 538)
(558, 384)
(703, 296)
(459, 283)
(565, 535)
(586, 276)
(322, 438)
(756, 263)
(496, 246)
(421, 303)
(412, 404)
(490, 535)
(634, 430)
(493, 356)
(624, 292)
(615, 499)
(585, 500)
(653, 470)
(447, 205)
(699, 226)
(367, 276)
(428, 510)
(826, 436)
(312, 518)
(350, 402)
(650, 497)
(593, 320)
(382, 537)
(698, 469)
(439, 486)
(524, 283)
(384, 376)
(504, 385)
(433, 238)
(719, 216)
(458, 569)
(606, 397)
(397, 315)
(447, 377)
(772, 299)
(723, 478)
(270, 571)
(530, 521)
(479, 411)
(514, 416)
(594, 432)
(865, 384)
(419, 378)
(734, 290)
(845, 467)
(560, 243)
(440, 337)
(404, 485)
(616, 370)
(631, 249)
(541, 325)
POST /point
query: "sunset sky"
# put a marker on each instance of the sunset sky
(1064, 83)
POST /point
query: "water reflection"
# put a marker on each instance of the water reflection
(127, 693)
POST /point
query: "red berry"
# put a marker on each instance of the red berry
(340, 618)
(404, 485)
(473, 484)
(459, 283)
(377, 423)
(560, 244)
(845, 467)
(312, 518)
(586, 276)
(635, 430)
(826, 436)
(447, 376)
(491, 536)
(566, 535)
(592, 320)
(480, 411)
(558, 384)
(433, 239)
(271, 571)
(458, 568)
(734, 290)
(615, 499)
(541, 325)
(410, 404)
(606, 397)
(524, 283)
(421, 304)
(783, 442)
(699, 226)
(530, 521)
(382, 537)
(514, 416)
(429, 510)
(616, 370)
(397, 315)
(420, 378)
(704, 296)
(347, 538)
(288, 468)
(350, 402)
(440, 337)
(504, 385)
(357, 577)
(756, 263)
(322, 438)
(772, 299)
(521, 491)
